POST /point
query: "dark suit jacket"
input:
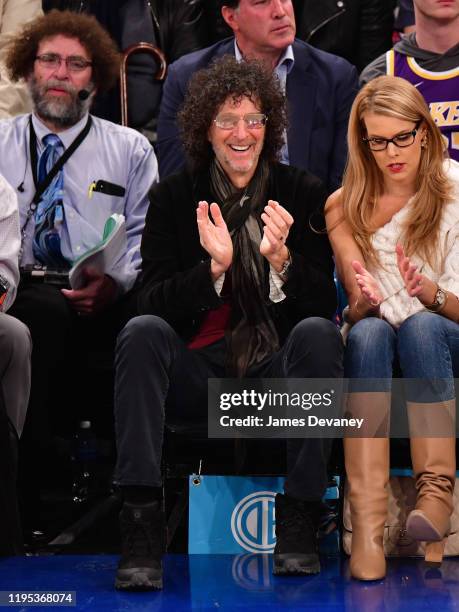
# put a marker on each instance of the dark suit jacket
(320, 91)
(176, 281)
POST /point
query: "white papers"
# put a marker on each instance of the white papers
(105, 254)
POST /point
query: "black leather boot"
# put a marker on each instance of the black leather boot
(296, 550)
(142, 537)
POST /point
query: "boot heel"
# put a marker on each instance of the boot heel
(434, 553)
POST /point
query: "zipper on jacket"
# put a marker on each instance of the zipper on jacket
(342, 9)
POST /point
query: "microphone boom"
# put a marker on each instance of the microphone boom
(83, 94)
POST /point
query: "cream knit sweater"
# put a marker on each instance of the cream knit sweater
(398, 305)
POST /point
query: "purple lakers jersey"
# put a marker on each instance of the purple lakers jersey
(440, 90)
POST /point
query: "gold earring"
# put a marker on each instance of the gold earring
(424, 142)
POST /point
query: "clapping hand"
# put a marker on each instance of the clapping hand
(412, 279)
(214, 237)
(278, 222)
(369, 288)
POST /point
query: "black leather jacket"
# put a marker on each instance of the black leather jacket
(175, 26)
(178, 26)
(358, 30)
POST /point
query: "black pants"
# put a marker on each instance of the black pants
(60, 391)
(155, 370)
(10, 529)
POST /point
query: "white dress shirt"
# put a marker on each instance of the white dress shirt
(111, 153)
(9, 240)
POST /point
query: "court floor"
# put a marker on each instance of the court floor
(235, 582)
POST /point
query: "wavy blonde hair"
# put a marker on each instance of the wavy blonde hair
(363, 181)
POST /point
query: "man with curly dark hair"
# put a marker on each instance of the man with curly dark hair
(22, 52)
(207, 95)
(71, 172)
(238, 287)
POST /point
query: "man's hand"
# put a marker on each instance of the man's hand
(215, 238)
(416, 284)
(99, 292)
(277, 226)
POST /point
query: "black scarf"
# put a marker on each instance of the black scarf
(252, 335)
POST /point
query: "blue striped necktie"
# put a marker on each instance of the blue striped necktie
(49, 215)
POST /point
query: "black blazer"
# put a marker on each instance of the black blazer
(176, 281)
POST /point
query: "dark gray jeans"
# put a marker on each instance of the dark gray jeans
(155, 370)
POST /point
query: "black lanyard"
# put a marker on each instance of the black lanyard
(42, 187)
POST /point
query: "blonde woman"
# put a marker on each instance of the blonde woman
(394, 228)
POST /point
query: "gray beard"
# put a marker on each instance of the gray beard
(63, 113)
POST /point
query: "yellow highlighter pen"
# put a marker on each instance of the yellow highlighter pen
(92, 186)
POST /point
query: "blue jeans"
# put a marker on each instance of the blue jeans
(426, 346)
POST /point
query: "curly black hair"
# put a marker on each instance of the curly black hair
(105, 57)
(211, 87)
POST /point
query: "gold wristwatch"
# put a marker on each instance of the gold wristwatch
(440, 299)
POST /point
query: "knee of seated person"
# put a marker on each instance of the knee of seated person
(370, 329)
(420, 326)
(144, 328)
(15, 337)
(316, 328)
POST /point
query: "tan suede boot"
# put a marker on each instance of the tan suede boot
(367, 470)
(434, 467)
